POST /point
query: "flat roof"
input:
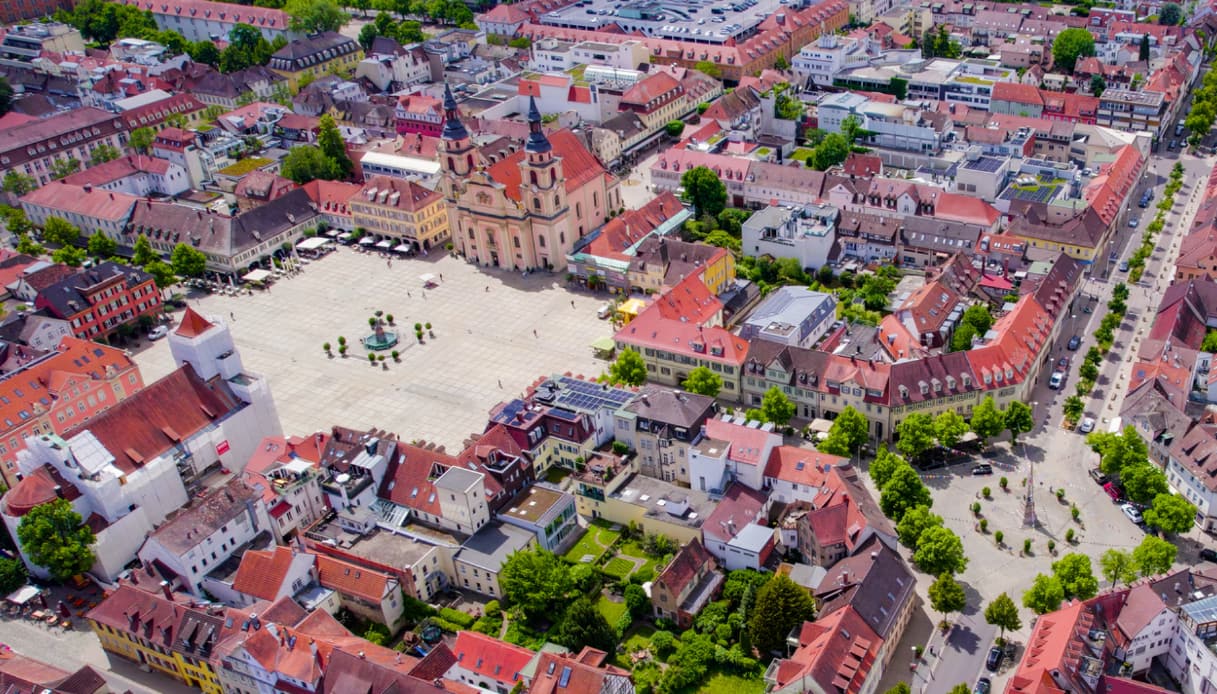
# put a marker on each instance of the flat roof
(752, 537)
(491, 546)
(666, 501)
(533, 503)
(695, 21)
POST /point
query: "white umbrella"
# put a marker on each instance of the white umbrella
(427, 278)
(367, 241)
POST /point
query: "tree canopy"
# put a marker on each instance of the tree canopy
(629, 369)
(781, 604)
(987, 420)
(583, 625)
(1143, 481)
(847, 434)
(976, 320)
(1118, 450)
(946, 595)
(102, 246)
(1071, 44)
(141, 252)
(1154, 556)
(535, 580)
(1077, 579)
(1170, 14)
(904, 491)
(915, 434)
(1118, 566)
(1019, 419)
(1003, 614)
(141, 139)
(703, 381)
(939, 551)
(1171, 514)
(914, 523)
(188, 261)
(1045, 594)
(312, 16)
(776, 407)
(55, 537)
(705, 190)
(882, 467)
(60, 231)
(949, 428)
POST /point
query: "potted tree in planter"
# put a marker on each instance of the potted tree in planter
(396, 355)
(372, 358)
(389, 317)
(429, 333)
(326, 347)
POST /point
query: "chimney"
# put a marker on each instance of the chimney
(167, 590)
(88, 187)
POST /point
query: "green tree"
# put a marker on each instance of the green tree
(847, 434)
(987, 421)
(1077, 579)
(12, 575)
(18, 183)
(675, 128)
(961, 688)
(705, 190)
(722, 239)
(1210, 342)
(188, 261)
(1003, 614)
(939, 551)
(780, 63)
(1118, 566)
(71, 256)
(1143, 54)
(583, 625)
(882, 467)
(535, 580)
(28, 246)
(1073, 408)
(162, 273)
(976, 320)
(781, 604)
(141, 139)
(1143, 482)
(101, 246)
(915, 435)
(947, 596)
(15, 220)
(776, 407)
(899, 688)
(1171, 14)
(62, 168)
(103, 154)
(1171, 514)
(142, 252)
(949, 428)
(629, 369)
(832, 151)
(6, 96)
(1069, 45)
(1154, 556)
(636, 601)
(312, 16)
(1018, 419)
(305, 163)
(1097, 84)
(204, 52)
(902, 492)
(368, 34)
(55, 537)
(1045, 595)
(60, 231)
(898, 87)
(703, 381)
(914, 523)
(1117, 451)
(329, 141)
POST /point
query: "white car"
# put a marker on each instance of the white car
(1057, 380)
(1087, 425)
(1133, 514)
(158, 332)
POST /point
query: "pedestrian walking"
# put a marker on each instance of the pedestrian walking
(233, 316)
(441, 277)
(500, 383)
(487, 288)
(572, 303)
(534, 332)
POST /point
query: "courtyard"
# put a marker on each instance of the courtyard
(495, 333)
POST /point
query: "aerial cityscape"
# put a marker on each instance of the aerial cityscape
(608, 347)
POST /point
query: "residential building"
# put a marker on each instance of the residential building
(547, 513)
(657, 99)
(482, 556)
(495, 224)
(608, 251)
(31, 9)
(259, 187)
(315, 55)
(180, 147)
(99, 300)
(805, 233)
(840, 648)
(661, 425)
(1128, 110)
(91, 210)
(270, 575)
(224, 523)
(203, 20)
(19, 673)
(32, 148)
(661, 261)
(286, 472)
(612, 490)
(369, 594)
(419, 113)
(686, 585)
(794, 316)
(887, 126)
(737, 533)
(389, 66)
(488, 663)
(26, 42)
(332, 200)
(402, 212)
(425, 484)
(732, 449)
(134, 174)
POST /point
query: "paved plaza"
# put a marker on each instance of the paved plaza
(442, 390)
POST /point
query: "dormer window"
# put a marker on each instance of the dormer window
(925, 388)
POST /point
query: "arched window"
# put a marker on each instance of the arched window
(532, 176)
(552, 177)
(536, 203)
(451, 165)
(578, 209)
(562, 237)
(515, 241)
(595, 199)
(557, 201)
(541, 241)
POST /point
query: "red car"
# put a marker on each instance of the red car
(1112, 490)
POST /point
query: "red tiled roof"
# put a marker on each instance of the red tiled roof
(650, 88)
(42, 486)
(683, 567)
(116, 169)
(1107, 191)
(802, 466)
(74, 199)
(579, 166)
(489, 657)
(193, 324)
(409, 483)
(504, 14)
(331, 197)
(837, 650)
(1018, 93)
(738, 507)
(386, 191)
(625, 230)
(748, 444)
(1047, 650)
(690, 301)
(261, 573)
(352, 579)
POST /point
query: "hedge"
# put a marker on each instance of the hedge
(457, 617)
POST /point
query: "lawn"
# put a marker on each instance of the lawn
(801, 154)
(612, 611)
(638, 638)
(618, 568)
(633, 549)
(556, 474)
(594, 542)
(722, 683)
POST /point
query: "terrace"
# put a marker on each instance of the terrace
(1034, 189)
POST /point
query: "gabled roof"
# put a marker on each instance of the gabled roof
(353, 579)
(684, 566)
(86, 201)
(739, 507)
(836, 651)
(579, 166)
(218, 508)
(489, 657)
(802, 466)
(409, 481)
(261, 573)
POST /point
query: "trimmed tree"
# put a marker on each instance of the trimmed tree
(1154, 556)
(781, 604)
(188, 261)
(535, 580)
(1118, 566)
(847, 434)
(914, 523)
(1077, 579)
(1018, 420)
(939, 551)
(947, 596)
(1171, 514)
(915, 435)
(776, 407)
(987, 421)
(629, 369)
(1003, 614)
(703, 381)
(55, 537)
(1069, 45)
(882, 467)
(902, 492)
(705, 190)
(949, 428)
(1045, 595)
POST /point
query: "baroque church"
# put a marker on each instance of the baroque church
(526, 211)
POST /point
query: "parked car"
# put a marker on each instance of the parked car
(1074, 343)
(1057, 380)
(158, 332)
(983, 685)
(1133, 514)
(1086, 426)
(993, 661)
(1134, 221)
(1097, 475)
(982, 469)
(1112, 490)
(1207, 554)
(1062, 364)
(604, 311)
(1123, 266)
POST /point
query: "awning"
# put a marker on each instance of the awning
(23, 595)
(257, 276)
(344, 236)
(604, 344)
(384, 244)
(311, 244)
(367, 241)
(403, 248)
(427, 278)
(819, 424)
(333, 233)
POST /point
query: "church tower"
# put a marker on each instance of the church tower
(455, 147)
(543, 193)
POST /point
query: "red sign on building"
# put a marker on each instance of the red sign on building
(222, 447)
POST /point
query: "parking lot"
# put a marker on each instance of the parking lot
(495, 333)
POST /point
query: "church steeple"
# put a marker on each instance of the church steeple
(454, 129)
(537, 142)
